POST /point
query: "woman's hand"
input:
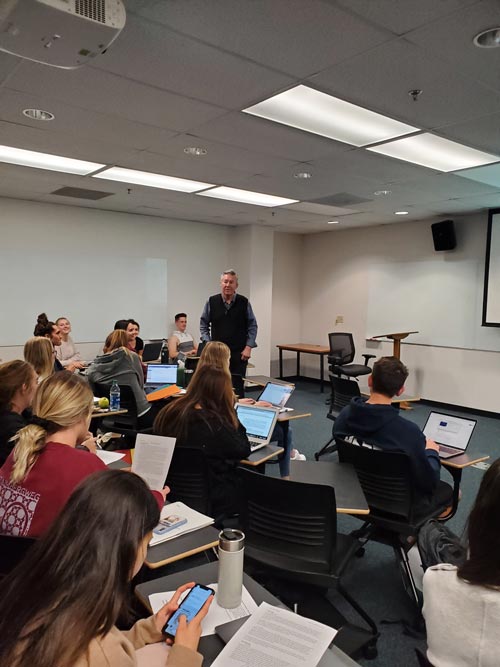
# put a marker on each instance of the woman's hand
(162, 616)
(90, 443)
(188, 634)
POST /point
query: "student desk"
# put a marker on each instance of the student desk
(211, 645)
(258, 459)
(100, 414)
(349, 495)
(305, 348)
(262, 380)
(395, 400)
(455, 466)
(181, 547)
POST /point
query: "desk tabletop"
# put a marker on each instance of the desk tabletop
(342, 477)
(464, 460)
(404, 398)
(305, 347)
(262, 455)
(100, 413)
(211, 645)
(262, 380)
(293, 414)
(181, 547)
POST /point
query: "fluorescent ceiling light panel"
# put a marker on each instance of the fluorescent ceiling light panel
(319, 113)
(46, 161)
(434, 152)
(246, 197)
(151, 180)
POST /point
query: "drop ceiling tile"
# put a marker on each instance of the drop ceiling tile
(107, 93)
(8, 64)
(188, 67)
(372, 80)
(482, 133)
(320, 209)
(400, 17)
(489, 175)
(293, 36)
(450, 38)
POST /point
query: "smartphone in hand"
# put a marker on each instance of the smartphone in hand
(189, 607)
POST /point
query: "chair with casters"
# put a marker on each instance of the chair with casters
(388, 483)
(343, 390)
(12, 551)
(292, 543)
(342, 353)
(189, 479)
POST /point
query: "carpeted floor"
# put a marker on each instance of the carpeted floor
(374, 580)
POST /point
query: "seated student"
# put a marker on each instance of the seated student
(218, 354)
(181, 343)
(18, 383)
(120, 364)
(66, 352)
(205, 418)
(61, 604)
(135, 343)
(377, 423)
(39, 352)
(46, 329)
(44, 467)
(462, 606)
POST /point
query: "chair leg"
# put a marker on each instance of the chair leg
(326, 449)
(358, 608)
(402, 556)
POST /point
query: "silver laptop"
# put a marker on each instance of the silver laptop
(451, 433)
(258, 422)
(159, 375)
(276, 394)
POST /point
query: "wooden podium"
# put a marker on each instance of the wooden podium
(396, 339)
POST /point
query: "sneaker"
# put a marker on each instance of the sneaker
(295, 455)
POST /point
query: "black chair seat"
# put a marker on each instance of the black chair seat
(353, 370)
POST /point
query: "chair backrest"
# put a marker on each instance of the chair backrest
(190, 363)
(12, 551)
(127, 402)
(342, 392)
(342, 347)
(189, 479)
(288, 525)
(385, 477)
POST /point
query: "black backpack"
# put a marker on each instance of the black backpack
(438, 544)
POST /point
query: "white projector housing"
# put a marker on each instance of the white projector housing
(61, 33)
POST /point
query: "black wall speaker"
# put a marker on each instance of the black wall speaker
(443, 235)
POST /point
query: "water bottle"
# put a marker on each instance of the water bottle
(230, 583)
(114, 396)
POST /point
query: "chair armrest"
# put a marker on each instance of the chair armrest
(456, 473)
(367, 358)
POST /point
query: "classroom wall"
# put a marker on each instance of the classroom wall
(335, 281)
(195, 253)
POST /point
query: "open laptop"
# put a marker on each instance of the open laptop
(159, 375)
(451, 433)
(276, 394)
(152, 350)
(258, 422)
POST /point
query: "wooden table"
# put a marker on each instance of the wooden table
(349, 495)
(100, 414)
(455, 467)
(211, 645)
(397, 401)
(305, 348)
(258, 458)
(262, 380)
(181, 547)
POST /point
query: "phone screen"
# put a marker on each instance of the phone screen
(189, 607)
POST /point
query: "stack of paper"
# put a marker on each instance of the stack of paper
(195, 520)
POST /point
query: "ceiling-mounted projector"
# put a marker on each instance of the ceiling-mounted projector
(61, 33)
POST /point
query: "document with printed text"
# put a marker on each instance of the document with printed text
(152, 458)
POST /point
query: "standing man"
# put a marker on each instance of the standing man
(229, 318)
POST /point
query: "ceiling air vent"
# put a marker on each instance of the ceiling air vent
(81, 193)
(92, 9)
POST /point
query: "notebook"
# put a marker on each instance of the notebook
(152, 350)
(258, 422)
(451, 433)
(276, 394)
(159, 375)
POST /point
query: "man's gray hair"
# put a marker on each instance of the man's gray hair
(229, 272)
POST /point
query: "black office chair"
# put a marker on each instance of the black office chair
(126, 424)
(342, 353)
(190, 363)
(388, 483)
(342, 392)
(12, 551)
(189, 479)
(291, 532)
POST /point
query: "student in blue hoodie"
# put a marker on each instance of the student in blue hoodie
(376, 422)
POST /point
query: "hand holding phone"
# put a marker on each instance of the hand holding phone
(189, 608)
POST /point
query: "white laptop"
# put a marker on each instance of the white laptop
(276, 394)
(451, 433)
(259, 423)
(159, 375)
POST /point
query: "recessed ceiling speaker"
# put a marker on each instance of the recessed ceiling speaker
(443, 235)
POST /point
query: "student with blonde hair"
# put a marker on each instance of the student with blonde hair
(18, 382)
(39, 352)
(66, 351)
(44, 467)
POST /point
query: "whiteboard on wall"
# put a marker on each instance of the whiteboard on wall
(91, 291)
(491, 304)
(441, 299)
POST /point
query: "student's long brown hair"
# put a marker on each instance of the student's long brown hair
(73, 584)
(482, 566)
(116, 339)
(14, 375)
(209, 389)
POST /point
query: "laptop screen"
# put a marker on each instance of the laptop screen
(276, 394)
(258, 422)
(449, 430)
(161, 374)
